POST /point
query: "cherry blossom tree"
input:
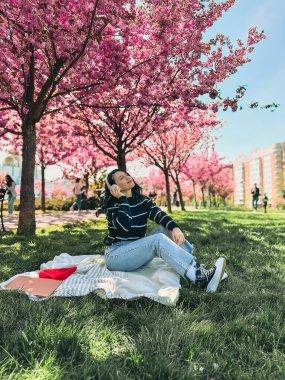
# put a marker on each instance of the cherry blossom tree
(2, 179)
(222, 184)
(189, 140)
(56, 55)
(59, 191)
(53, 51)
(156, 181)
(152, 182)
(85, 160)
(177, 64)
(53, 145)
(170, 151)
(75, 155)
(202, 168)
(186, 188)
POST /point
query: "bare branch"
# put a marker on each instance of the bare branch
(8, 130)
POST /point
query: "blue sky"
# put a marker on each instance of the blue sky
(249, 129)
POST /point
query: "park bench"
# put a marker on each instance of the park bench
(2, 196)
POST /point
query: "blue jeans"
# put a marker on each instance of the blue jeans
(78, 201)
(11, 200)
(254, 202)
(127, 256)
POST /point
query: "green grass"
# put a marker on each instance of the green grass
(237, 333)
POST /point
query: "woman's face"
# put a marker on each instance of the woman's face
(123, 180)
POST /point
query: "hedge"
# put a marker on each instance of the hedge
(58, 204)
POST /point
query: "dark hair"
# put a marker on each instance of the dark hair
(109, 200)
(9, 180)
(77, 180)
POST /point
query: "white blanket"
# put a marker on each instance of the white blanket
(156, 280)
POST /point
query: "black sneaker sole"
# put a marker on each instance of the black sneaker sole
(220, 265)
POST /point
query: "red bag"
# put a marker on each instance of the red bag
(57, 274)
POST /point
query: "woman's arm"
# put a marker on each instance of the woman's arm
(160, 217)
(12, 187)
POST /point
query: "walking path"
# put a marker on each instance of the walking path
(62, 217)
(52, 218)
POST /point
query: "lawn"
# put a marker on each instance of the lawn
(237, 333)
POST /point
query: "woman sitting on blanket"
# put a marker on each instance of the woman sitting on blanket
(128, 247)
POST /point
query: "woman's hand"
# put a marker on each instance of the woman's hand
(177, 236)
(116, 191)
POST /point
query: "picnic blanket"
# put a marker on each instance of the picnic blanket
(155, 280)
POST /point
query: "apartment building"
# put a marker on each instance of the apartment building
(266, 168)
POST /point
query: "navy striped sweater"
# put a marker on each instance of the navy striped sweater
(127, 219)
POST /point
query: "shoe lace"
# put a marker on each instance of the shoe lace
(205, 273)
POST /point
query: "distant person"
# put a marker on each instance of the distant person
(12, 195)
(77, 193)
(265, 202)
(100, 210)
(83, 194)
(152, 195)
(255, 192)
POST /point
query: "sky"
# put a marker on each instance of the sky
(249, 129)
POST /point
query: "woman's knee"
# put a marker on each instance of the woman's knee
(161, 238)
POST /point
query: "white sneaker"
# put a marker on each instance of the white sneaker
(220, 266)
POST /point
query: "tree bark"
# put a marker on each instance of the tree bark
(86, 177)
(203, 197)
(121, 161)
(168, 196)
(43, 195)
(182, 204)
(175, 179)
(27, 220)
(195, 196)
(210, 196)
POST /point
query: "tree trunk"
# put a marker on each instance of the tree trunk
(210, 195)
(43, 195)
(121, 161)
(27, 220)
(195, 197)
(182, 205)
(86, 177)
(168, 196)
(203, 197)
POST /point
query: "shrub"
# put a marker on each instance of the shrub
(57, 204)
(92, 203)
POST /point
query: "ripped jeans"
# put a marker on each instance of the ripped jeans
(127, 256)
